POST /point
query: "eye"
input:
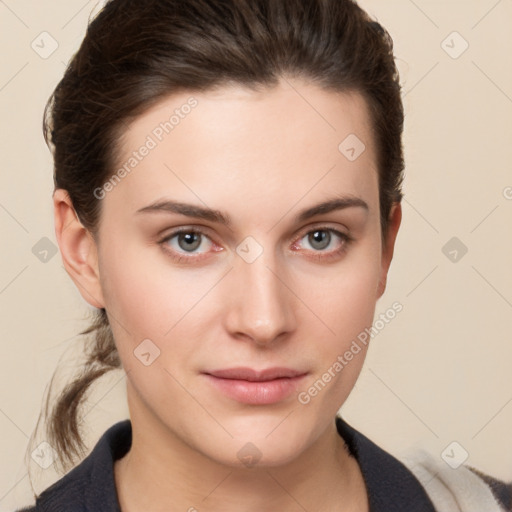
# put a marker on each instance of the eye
(323, 238)
(187, 241)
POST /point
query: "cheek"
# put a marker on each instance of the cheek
(345, 303)
(345, 298)
(144, 293)
(132, 296)
(148, 299)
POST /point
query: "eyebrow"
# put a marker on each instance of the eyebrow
(191, 210)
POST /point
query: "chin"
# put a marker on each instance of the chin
(258, 443)
(244, 454)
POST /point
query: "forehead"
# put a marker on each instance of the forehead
(260, 145)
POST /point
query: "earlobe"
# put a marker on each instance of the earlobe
(78, 249)
(388, 246)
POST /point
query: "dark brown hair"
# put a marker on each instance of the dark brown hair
(136, 52)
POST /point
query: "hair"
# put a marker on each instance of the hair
(137, 52)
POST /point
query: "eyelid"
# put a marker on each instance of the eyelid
(201, 230)
(183, 256)
(325, 256)
(322, 227)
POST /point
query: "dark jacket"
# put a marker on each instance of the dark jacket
(90, 486)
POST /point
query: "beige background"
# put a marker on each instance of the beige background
(439, 372)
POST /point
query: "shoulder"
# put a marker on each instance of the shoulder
(390, 484)
(463, 488)
(501, 490)
(421, 482)
(89, 486)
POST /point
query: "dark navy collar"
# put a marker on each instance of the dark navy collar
(90, 486)
(391, 486)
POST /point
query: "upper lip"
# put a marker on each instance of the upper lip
(252, 375)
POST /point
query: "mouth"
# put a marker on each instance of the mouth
(256, 387)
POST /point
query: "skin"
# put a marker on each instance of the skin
(259, 157)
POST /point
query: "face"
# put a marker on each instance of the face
(231, 293)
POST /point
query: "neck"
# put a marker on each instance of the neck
(162, 473)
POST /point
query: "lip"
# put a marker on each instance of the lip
(256, 387)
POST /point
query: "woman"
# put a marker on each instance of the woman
(227, 196)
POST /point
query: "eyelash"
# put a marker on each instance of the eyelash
(346, 240)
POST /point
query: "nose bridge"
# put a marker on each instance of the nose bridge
(262, 308)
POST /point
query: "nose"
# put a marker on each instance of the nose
(261, 304)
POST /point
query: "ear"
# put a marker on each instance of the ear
(78, 249)
(388, 245)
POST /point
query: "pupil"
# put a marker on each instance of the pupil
(319, 237)
(191, 240)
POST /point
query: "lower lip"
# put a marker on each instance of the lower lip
(257, 393)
